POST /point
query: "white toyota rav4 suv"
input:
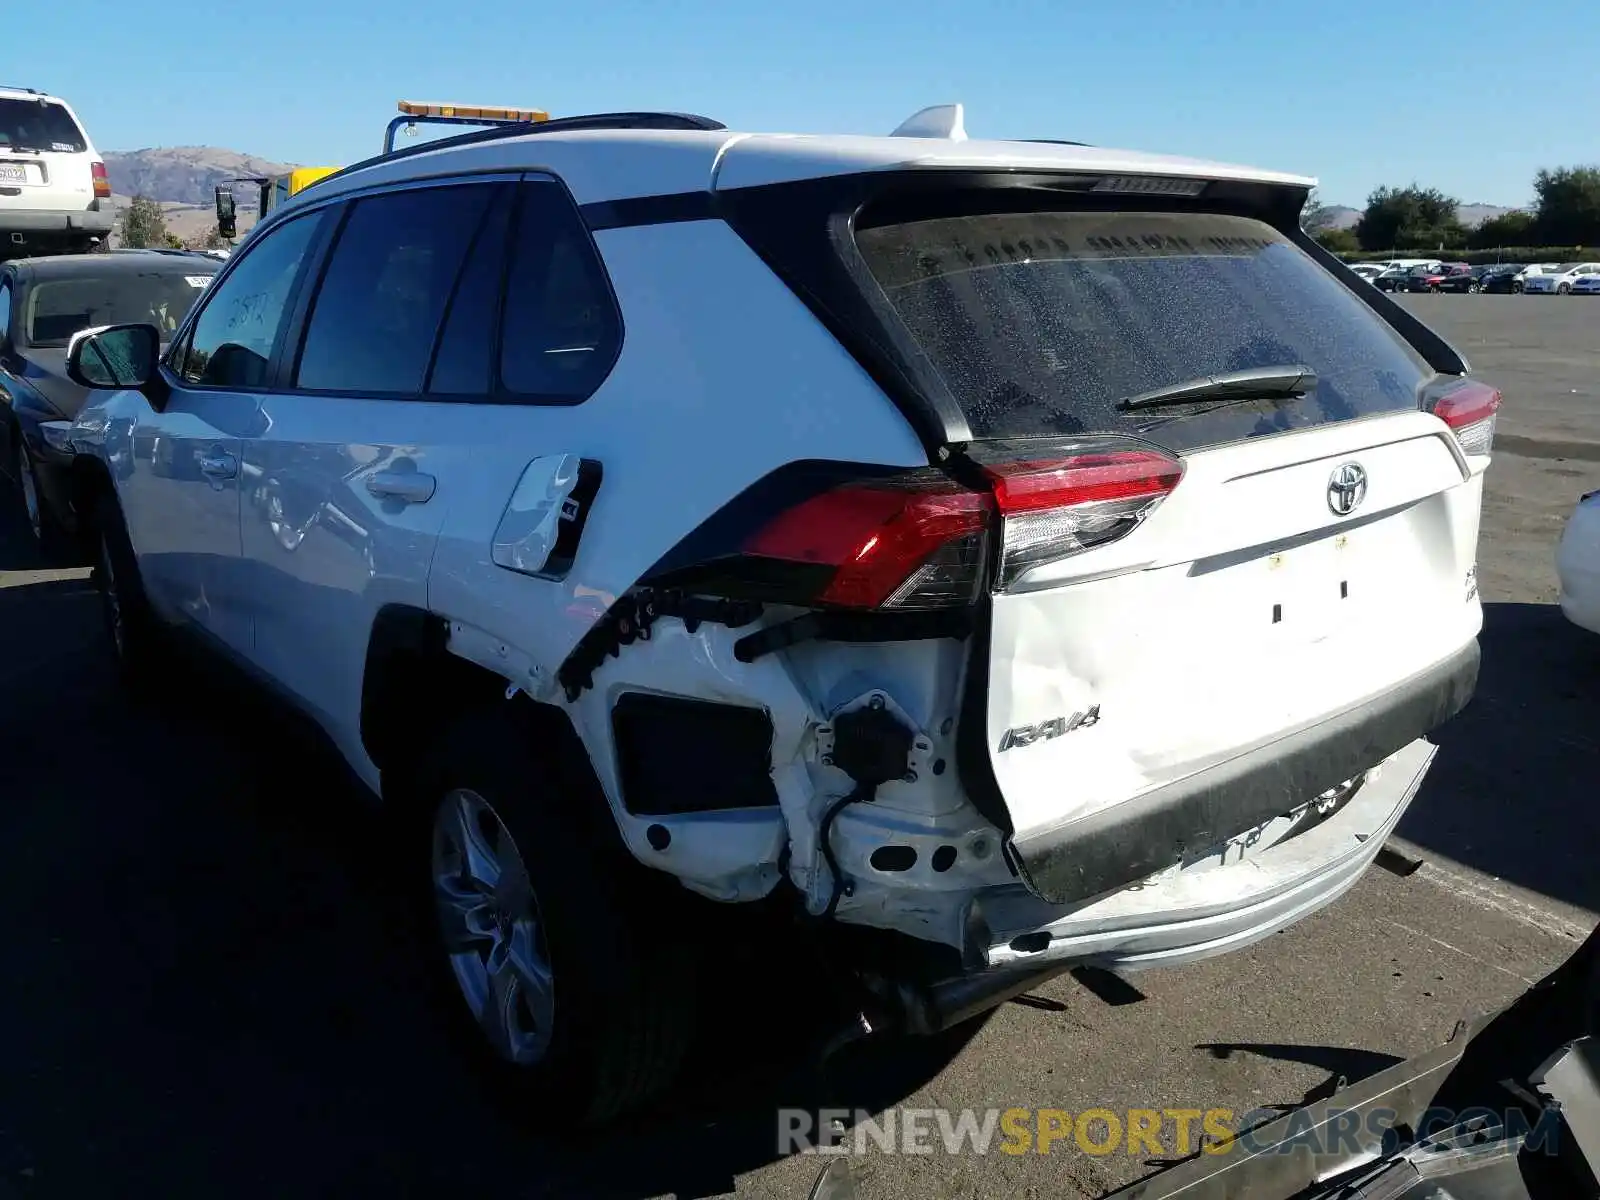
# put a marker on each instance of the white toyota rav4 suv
(1004, 555)
(55, 194)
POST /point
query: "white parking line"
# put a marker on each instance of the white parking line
(1487, 892)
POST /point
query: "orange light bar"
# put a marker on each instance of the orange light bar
(471, 112)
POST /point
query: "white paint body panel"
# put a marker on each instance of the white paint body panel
(322, 554)
(668, 426)
(1578, 565)
(1170, 630)
(184, 524)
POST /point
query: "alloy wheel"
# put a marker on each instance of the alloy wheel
(489, 920)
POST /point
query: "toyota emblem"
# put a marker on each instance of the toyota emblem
(1347, 488)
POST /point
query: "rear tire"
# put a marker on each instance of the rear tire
(1563, 289)
(569, 976)
(130, 623)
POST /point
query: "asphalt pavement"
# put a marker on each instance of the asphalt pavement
(210, 988)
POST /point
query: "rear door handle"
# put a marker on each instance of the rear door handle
(219, 465)
(412, 487)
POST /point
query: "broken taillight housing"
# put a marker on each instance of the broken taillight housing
(1469, 408)
(921, 540)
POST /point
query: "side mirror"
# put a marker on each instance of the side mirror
(227, 214)
(114, 356)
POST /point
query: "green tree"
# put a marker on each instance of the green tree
(1340, 241)
(1514, 228)
(1567, 206)
(143, 225)
(1409, 218)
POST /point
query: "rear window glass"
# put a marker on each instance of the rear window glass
(1040, 322)
(30, 125)
(59, 308)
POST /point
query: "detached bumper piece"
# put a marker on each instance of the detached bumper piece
(1508, 1108)
(1130, 842)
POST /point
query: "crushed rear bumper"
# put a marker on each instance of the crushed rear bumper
(1217, 904)
(1131, 842)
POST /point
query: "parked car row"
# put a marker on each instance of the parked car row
(1433, 275)
(44, 303)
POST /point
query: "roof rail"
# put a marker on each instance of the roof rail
(628, 120)
(11, 87)
(620, 120)
(1055, 142)
(623, 120)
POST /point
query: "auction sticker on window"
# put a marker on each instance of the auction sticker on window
(197, 281)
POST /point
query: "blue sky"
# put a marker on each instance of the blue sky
(1357, 92)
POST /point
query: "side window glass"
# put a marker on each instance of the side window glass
(377, 313)
(464, 363)
(561, 330)
(230, 345)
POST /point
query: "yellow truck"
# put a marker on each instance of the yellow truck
(275, 190)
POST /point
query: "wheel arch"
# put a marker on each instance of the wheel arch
(88, 480)
(414, 683)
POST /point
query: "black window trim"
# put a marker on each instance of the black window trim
(515, 201)
(171, 365)
(286, 364)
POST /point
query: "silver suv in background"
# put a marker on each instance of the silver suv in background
(55, 195)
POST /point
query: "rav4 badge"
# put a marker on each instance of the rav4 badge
(1027, 735)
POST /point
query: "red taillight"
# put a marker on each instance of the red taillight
(1469, 409)
(1083, 479)
(102, 181)
(923, 542)
(1054, 510)
(920, 547)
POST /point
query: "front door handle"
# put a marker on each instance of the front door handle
(219, 465)
(412, 487)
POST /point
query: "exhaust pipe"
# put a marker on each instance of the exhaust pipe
(926, 1009)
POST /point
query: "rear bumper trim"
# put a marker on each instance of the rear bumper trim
(47, 221)
(1132, 841)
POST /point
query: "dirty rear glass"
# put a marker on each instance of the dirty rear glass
(1040, 322)
(31, 125)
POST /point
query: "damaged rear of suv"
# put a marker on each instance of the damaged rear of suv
(1003, 555)
(1139, 667)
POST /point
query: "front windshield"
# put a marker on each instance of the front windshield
(59, 308)
(36, 125)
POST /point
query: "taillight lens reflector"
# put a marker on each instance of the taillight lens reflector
(1469, 409)
(1054, 510)
(102, 181)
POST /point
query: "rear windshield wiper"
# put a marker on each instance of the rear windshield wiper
(1252, 383)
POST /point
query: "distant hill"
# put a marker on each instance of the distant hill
(182, 174)
(1342, 216)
